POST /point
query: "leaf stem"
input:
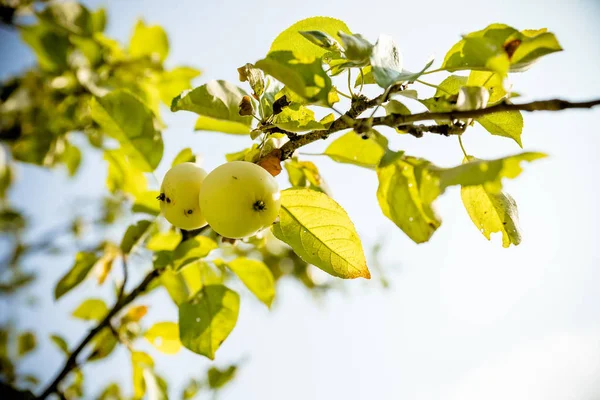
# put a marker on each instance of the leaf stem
(350, 82)
(460, 142)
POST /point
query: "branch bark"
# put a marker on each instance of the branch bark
(350, 120)
(119, 305)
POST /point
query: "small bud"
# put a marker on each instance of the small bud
(246, 107)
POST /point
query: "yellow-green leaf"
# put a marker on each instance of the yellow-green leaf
(140, 362)
(507, 123)
(183, 284)
(149, 41)
(135, 234)
(207, 319)
(185, 155)
(164, 336)
(321, 233)
(492, 212)
(352, 149)
(490, 80)
(220, 125)
(122, 116)
(291, 39)
(146, 202)
(305, 174)
(192, 250)
(257, 277)
(91, 310)
(26, 342)
(218, 378)
(61, 343)
(164, 241)
(84, 262)
(175, 81)
(123, 175)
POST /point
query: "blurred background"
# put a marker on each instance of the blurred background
(458, 318)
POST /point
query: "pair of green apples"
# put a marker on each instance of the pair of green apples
(237, 199)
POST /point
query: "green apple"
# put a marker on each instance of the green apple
(179, 196)
(239, 198)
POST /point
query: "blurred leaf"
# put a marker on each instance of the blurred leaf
(104, 343)
(134, 314)
(156, 387)
(71, 157)
(175, 81)
(191, 389)
(125, 118)
(147, 203)
(91, 310)
(183, 284)
(111, 392)
(326, 239)
(61, 343)
(185, 155)
(123, 175)
(292, 40)
(149, 41)
(164, 336)
(140, 361)
(164, 241)
(356, 48)
(84, 262)
(305, 76)
(26, 343)
(134, 235)
(218, 378)
(69, 16)
(49, 46)
(256, 276)
(217, 102)
(490, 80)
(352, 149)
(98, 20)
(207, 319)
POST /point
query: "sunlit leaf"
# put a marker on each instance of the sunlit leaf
(352, 149)
(217, 378)
(49, 46)
(292, 40)
(150, 41)
(257, 277)
(140, 362)
(297, 118)
(91, 310)
(69, 16)
(305, 76)
(164, 336)
(255, 78)
(104, 344)
(84, 262)
(185, 155)
(321, 39)
(507, 123)
(175, 81)
(146, 202)
(207, 319)
(164, 241)
(125, 118)
(305, 174)
(134, 314)
(356, 48)
(321, 233)
(123, 175)
(490, 80)
(135, 234)
(217, 102)
(183, 284)
(193, 249)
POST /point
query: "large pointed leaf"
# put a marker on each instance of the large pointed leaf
(149, 41)
(185, 283)
(507, 123)
(217, 102)
(304, 76)
(207, 319)
(125, 118)
(135, 234)
(350, 148)
(292, 40)
(320, 232)
(257, 277)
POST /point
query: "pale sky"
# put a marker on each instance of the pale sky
(464, 318)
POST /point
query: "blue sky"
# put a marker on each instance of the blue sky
(464, 318)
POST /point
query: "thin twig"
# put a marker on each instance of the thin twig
(119, 305)
(125, 276)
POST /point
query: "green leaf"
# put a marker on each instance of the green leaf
(98, 20)
(409, 185)
(207, 319)
(111, 392)
(257, 277)
(305, 76)
(356, 48)
(507, 123)
(26, 343)
(125, 118)
(492, 212)
(146, 203)
(164, 241)
(185, 283)
(352, 149)
(84, 262)
(135, 234)
(320, 232)
(490, 80)
(185, 155)
(218, 378)
(123, 175)
(164, 336)
(69, 16)
(401, 181)
(291, 39)
(297, 118)
(175, 81)
(192, 250)
(217, 103)
(149, 41)
(91, 310)
(321, 39)
(50, 47)
(191, 389)
(477, 53)
(534, 44)
(71, 156)
(396, 107)
(61, 343)
(104, 344)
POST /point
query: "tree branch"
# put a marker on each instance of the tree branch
(350, 120)
(119, 305)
